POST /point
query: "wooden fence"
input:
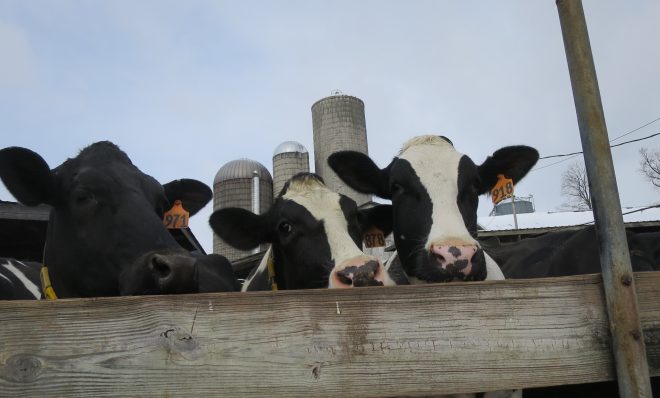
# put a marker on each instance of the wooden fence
(367, 342)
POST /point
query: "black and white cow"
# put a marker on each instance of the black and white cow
(19, 280)
(315, 236)
(434, 191)
(105, 227)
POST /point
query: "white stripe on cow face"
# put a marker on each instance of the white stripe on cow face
(436, 164)
(324, 205)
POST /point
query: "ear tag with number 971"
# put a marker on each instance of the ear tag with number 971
(176, 217)
(503, 189)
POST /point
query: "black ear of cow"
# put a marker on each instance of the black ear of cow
(27, 176)
(194, 195)
(240, 228)
(359, 172)
(513, 162)
(379, 216)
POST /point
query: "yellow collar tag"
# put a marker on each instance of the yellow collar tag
(46, 287)
(270, 262)
(176, 217)
(503, 189)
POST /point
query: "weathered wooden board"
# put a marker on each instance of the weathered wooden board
(368, 342)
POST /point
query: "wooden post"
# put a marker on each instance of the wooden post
(627, 337)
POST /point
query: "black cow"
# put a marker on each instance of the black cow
(567, 252)
(105, 227)
(19, 280)
(434, 191)
(315, 236)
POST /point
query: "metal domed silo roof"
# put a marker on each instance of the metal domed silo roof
(288, 147)
(241, 168)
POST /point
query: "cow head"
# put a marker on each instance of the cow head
(106, 214)
(315, 235)
(434, 191)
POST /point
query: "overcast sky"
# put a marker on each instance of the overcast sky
(184, 87)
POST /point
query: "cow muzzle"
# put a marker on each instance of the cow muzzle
(358, 273)
(173, 273)
(466, 262)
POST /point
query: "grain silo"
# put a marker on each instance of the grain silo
(241, 183)
(289, 159)
(339, 125)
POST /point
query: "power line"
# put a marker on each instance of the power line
(639, 139)
(611, 146)
(638, 128)
(612, 140)
(552, 164)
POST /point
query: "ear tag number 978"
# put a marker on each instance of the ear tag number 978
(373, 237)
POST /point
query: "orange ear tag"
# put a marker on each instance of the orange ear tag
(503, 189)
(176, 217)
(373, 237)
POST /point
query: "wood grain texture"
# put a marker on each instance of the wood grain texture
(368, 342)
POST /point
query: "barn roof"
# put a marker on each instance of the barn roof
(546, 220)
(23, 232)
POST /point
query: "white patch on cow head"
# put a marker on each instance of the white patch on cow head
(436, 162)
(324, 205)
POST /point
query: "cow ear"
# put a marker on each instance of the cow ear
(513, 162)
(27, 176)
(240, 228)
(379, 216)
(359, 172)
(194, 195)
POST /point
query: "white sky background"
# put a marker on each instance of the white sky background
(184, 87)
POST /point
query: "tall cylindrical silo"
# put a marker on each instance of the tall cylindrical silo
(289, 159)
(339, 125)
(235, 185)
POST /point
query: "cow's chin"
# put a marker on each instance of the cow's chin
(423, 268)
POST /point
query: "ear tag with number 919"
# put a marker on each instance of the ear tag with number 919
(176, 217)
(503, 189)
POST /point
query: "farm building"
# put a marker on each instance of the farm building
(637, 219)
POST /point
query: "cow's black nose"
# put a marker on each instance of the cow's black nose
(160, 267)
(173, 273)
(360, 275)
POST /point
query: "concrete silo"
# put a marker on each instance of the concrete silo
(339, 125)
(289, 159)
(241, 183)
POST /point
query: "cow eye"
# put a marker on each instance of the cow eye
(84, 197)
(285, 228)
(397, 188)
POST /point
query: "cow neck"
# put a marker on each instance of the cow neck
(44, 277)
(270, 265)
(46, 286)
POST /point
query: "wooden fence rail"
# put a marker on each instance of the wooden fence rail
(368, 342)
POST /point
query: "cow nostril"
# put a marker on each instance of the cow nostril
(344, 278)
(439, 258)
(160, 268)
